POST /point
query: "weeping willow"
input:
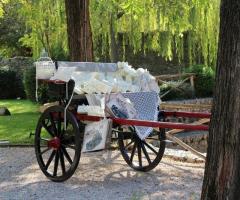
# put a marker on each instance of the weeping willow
(45, 20)
(2, 2)
(171, 28)
(168, 25)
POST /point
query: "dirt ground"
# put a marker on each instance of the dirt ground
(101, 175)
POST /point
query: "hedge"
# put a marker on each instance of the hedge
(204, 81)
(46, 92)
(29, 81)
(11, 86)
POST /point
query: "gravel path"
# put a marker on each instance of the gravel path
(97, 177)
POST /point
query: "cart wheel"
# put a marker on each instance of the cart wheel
(141, 155)
(57, 150)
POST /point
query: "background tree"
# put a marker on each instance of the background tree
(2, 2)
(79, 30)
(166, 28)
(222, 174)
(45, 27)
(12, 28)
(183, 32)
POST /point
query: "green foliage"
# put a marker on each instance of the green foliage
(165, 27)
(10, 85)
(46, 20)
(204, 81)
(203, 84)
(43, 96)
(46, 92)
(12, 28)
(2, 2)
(185, 91)
(30, 86)
(30, 83)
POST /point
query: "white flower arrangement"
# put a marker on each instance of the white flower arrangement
(124, 79)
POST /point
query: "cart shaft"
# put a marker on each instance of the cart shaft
(153, 124)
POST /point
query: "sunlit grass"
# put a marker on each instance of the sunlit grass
(17, 127)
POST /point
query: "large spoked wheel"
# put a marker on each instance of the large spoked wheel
(141, 155)
(58, 150)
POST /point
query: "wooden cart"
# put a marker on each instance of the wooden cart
(60, 132)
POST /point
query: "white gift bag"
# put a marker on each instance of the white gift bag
(95, 135)
(118, 104)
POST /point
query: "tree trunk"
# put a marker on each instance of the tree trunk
(143, 44)
(113, 42)
(222, 172)
(79, 30)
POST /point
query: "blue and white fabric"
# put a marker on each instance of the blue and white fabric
(146, 106)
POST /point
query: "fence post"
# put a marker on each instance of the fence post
(192, 83)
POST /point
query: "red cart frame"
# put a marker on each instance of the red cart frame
(60, 132)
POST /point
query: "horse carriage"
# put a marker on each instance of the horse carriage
(125, 112)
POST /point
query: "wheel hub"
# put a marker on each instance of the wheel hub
(54, 143)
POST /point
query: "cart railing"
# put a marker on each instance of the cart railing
(155, 124)
(176, 127)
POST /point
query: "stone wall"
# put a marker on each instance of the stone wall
(203, 101)
(17, 64)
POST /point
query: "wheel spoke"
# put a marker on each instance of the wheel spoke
(58, 150)
(53, 124)
(45, 150)
(152, 138)
(146, 153)
(128, 144)
(47, 128)
(139, 155)
(56, 164)
(66, 155)
(127, 135)
(69, 146)
(62, 161)
(50, 159)
(151, 148)
(133, 151)
(44, 139)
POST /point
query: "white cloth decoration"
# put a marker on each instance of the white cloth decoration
(63, 73)
(102, 78)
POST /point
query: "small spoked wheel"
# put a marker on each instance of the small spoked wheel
(141, 155)
(58, 149)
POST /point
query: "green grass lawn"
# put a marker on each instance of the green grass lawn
(23, 120)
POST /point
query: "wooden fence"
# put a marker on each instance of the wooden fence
(185, 77)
